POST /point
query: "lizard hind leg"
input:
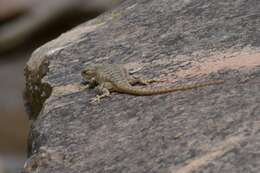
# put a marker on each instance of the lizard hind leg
(140, 80)
(133, 79)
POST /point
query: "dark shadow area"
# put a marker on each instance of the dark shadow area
(14, 122)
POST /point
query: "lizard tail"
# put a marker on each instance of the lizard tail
(153, 91)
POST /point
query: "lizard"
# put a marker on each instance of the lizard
(108, 78)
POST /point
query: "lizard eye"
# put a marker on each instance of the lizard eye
(84, 72)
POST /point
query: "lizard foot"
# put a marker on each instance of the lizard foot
(95, 100)
(98, 98)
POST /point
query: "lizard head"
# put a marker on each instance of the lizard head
(89, 72)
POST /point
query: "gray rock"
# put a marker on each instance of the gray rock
(210, 130)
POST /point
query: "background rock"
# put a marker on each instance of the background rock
(213, 129)
(26, 19)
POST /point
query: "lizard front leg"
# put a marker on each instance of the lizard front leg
(90, 84)
(103, 92)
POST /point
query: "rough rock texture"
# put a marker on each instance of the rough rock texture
(210, 130)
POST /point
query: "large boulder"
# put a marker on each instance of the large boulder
(212, 129)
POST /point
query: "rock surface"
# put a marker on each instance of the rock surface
(213, 129)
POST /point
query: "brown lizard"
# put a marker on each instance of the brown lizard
(114, 77)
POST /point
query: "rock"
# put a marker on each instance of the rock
(213, 129)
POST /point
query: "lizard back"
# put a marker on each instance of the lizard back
(113, 73)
